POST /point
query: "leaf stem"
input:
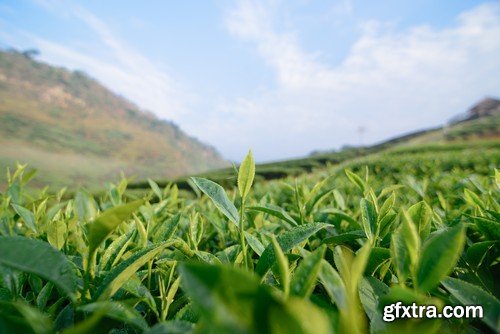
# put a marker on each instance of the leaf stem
(242, 234)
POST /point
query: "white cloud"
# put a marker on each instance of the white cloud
(126, 71)
(390, 82)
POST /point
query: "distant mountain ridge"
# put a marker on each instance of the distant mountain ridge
(486, 107)
(480, 121)
(78, 132)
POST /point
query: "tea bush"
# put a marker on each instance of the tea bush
(319, 253)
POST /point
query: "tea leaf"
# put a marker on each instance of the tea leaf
(155, 188)
(39, 258)
(405, 248)
(233, 301)
(304, 279)
(283, 269)
(27, 216)
(369, 218)
(287, 241)
(219, 198)
(468, 294)
(56, 234)
(103, 225)
(246, 175)
(275, 211)
(439, 256)
(122, 272)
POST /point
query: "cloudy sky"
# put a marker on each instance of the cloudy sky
(281, 77)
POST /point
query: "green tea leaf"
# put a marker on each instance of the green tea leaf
(38, 321)
(167, 229)
(333, 284)
(122, 272)
(489, 228)
(117, 311)
(304, 279)
(439, 256)
(103, 225)
(207, 257)
(351, 267)
(468, 294)
(56, 233)
(141, 231)
(39, 258)
(369, 218)
(275, 211)
(112, 251)
(137, 289)
(378, 255)
(287, 241)
(316, 200)
(477, 252)
(155, 188)
(388, 204)
(172, 327)
(344, 237)
(370, 292)
(84, 206)
(254, 243)
(405, 248)
(44, 295)
(421, 214)
(219, 198)
(473, 199)
(246, 175)
(355, 179)
(27, 216)
(284, 271)
(233, 301)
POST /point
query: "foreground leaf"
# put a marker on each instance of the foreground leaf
(283, 267)
(333, 284)
(38, 321)
(405, 246)
(469, 294)
(219, 198)
(39, 258)
(304, 280)
(172, 327)
(117, 311)
(233, 301)
(439, 256)
(287, 241)
(368, 218)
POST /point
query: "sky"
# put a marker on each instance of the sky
(283, 78)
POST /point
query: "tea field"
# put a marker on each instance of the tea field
(318, 252)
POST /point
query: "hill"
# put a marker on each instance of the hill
(75, 131)
(471, 130)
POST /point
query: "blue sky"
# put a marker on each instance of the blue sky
(281, 77)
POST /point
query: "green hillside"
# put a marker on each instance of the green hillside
(77, 132)
(481, 133)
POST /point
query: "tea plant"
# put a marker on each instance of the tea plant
(322, 253)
